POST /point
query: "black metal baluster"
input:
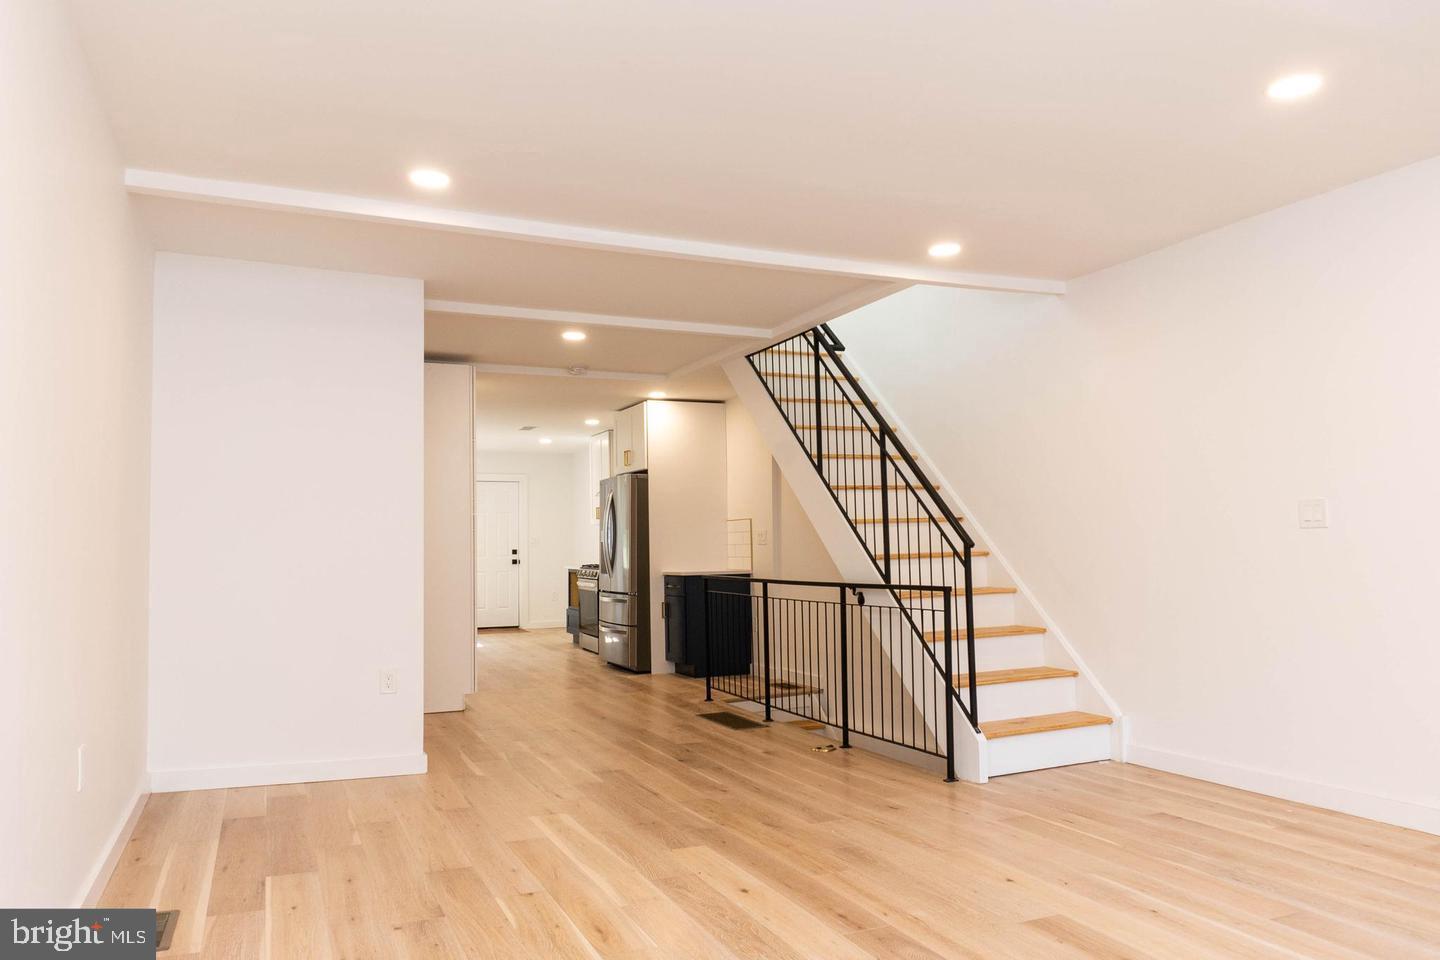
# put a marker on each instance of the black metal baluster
(970, 638)
(844, 674)
(949, 697)
(819, 423)
(709, 660)
(885, 503)
(765, 612)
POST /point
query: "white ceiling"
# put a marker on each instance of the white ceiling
(1052, 138)
(558, 406)
(492, 340)
(657, 293)
(475, 269)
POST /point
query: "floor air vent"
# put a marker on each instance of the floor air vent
(731, 720)
(165, 923)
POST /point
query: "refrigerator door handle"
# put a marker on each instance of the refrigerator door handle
(608, 541)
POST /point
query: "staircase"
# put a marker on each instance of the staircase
(1018, 689)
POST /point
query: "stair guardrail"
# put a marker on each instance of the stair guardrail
(816, 650)
(893, 508)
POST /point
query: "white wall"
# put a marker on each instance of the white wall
(1136, 450)
(553, 518)
(686, 460)
(449, 535)
(287, 524)
(74, 463)
(756, 489)
(587, 523)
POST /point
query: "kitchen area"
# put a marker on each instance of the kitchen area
(600, 512)
(661, 530)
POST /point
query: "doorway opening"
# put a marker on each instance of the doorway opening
(501, 574)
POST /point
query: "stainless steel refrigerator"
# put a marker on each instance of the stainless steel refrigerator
(625, 571)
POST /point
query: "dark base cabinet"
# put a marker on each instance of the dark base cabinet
(690, 624)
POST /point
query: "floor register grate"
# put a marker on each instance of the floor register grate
(165, 923)
(733, 721)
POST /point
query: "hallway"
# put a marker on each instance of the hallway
(576, 811)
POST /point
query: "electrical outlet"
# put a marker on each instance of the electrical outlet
(1314, 514)
(762, 537)
(389, 680)
(80, 768)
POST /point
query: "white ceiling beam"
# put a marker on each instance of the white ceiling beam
(576, 318)
(374, 209)
(587, 374)
(821, 313)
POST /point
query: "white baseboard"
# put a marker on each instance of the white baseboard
(1401, 813)
(211, 778)
(542, 624)
(114, 848)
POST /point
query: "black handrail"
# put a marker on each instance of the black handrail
(797, 636)
(821, 347)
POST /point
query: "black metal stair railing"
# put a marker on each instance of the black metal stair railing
(908, 530)
(816, 650)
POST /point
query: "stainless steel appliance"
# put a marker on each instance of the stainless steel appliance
(625, 571)
(587, 582)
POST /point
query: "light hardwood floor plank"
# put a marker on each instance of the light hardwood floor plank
(577, 811)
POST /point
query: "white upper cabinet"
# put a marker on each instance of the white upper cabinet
(601, 468)
(631, 450)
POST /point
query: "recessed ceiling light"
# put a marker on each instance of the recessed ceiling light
(430, 179)
(656, 394)
(574, 336)
(592, 422)
(1295, 86)
(546, 440)
(945, 248)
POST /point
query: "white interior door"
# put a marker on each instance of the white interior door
(497, 553)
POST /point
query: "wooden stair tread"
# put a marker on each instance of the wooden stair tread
(974, 591)
(828, 426)
(812, 400)
(931, 555)
(860, 456)
(987, 678)
(1044, 723)
(984, 633)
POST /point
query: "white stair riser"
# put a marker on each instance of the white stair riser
(1037, 751)
(991, 609)
(926, 572)
(999, 653)
(1028, 698)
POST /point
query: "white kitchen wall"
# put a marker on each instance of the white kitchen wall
(74, 467)
(756, 490)
(449, 535)
(553, 518)
(587, 524)
(287, 524)
(1137, 451)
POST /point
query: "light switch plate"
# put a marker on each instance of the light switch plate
(762, 537)
(1314, 514)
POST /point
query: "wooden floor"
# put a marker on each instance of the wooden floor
(577, 811)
